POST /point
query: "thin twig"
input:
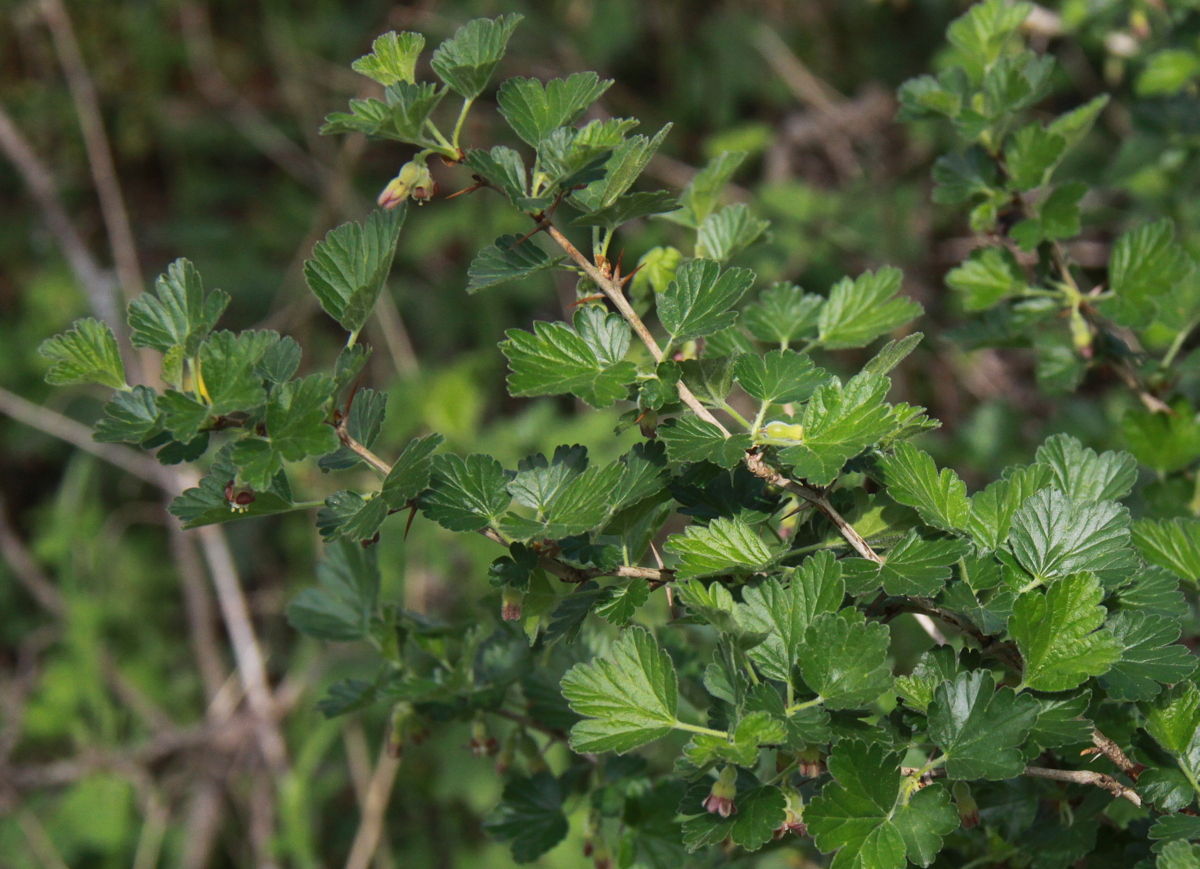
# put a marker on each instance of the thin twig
(1086, 777)
(361, 451)
(1113, 752)
(370, 827)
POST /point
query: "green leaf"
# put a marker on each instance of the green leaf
(579, 505)
(1077, 123)
(839, 423)
(862, 816)
(980, 729)
(1173, 721)
(629, 695)
(535, 110)
(924, 97)
(85, 353)
(742, 747)
(131, 417)
(1052, 536)
(625, 602)
(919, 566)
(571, 158)
(411, 471)
(509, 259)
(393, 58)
(281, 361)
(784, 613)
(1178, 855)
(1167, 72)
(1170, 543)
(779, 377)
(343, 605)
(759, 812)
(1154, 590)
(626, 208)
(1150, 656)
(939, 497)
(1030, 154)
(1060, 720)
(296, 418)
(1174, 827)
(844, 659)
(350, 265)
(467, 60)
(993, 508)
(1060, 636)
(782, 314)
(502, 168)
(934, 667)
(363, 424)
(1163, 441)
(178, 314)
(892, 354)
(530, 816)
(698, 301)
(859, 311)
(990, 275)
(351, 516)
(983, 31)
(691, 439)
(703, 192)
(723, 546)
(465, 494)
(586, 360)
(1084, 476)
(726, 233)
(206, 504)
(1146, 263)
(964, 176)
(628, 160)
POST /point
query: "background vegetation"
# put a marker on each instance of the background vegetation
(126, 737)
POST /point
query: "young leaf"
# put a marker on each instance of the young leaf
(698, 301)
(586, 360)
(859, 311)
(509, 259)
(1030, 154)
(393, 58)
(779, 377)
(411, 471)
(782, 314)
(178, 314)
(844, 659)
(691, 439)
(784, 613)
(363, 424)
(530, 816)
(1150, 656)
(939, 497)
(838, 424)
(1059, 634)
(703, 192)
(467, 60)
(502, 168)
(862, 817)
(535, 110)
(629, 695)
(1052, 536)
(980, 729)
(1084, 476)
(349, 267)
(934, 667)
(85, 353)
(350, 515)
(726, 233)
(1146, 263)
(343, 605)
(465, 494)
(990, 275)
(621, 607)
(723, 546)
(1170, 543)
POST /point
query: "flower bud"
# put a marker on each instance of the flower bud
(510, 604)
(414, 180)
(508, 750)
(483, 744)
(793, 818)
(968, 810)
(724, 789)
(402, 723)
(811, 764)
(532, 753)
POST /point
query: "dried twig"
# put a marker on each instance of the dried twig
(1114, 753)
(1086, 777)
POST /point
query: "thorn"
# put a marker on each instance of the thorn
(412, 514)
(353, 392)
(629, 277)
(657, 558)
(526, 237)
(479, 183)
(595, 297)
(642, 416)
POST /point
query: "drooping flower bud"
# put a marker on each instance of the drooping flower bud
(483, 744)
(532, 753)
(402, 723)
(413, 180)
(510, 604)
(968, 809)
(724, 789)
(793, 818)
(811, 764)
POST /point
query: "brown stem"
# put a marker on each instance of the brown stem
(362, 452)
(1086, 777)
(1114, 753)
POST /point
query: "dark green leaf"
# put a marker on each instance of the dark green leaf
(934, 667)
(411, 471)
(465, 494)
(178, 314)
(625, 208)
(350, 265)
(1084, 476)
(350, 515)
(502, 168)
(779, 377)
(628, 160)
(980, 729)
(1052, 536)
(530, 816)
(509, 259)
(363, 424)
(993, 508)
(940, 497)
(535, 110)
(1150, 657)
(467, 60)
(919, 566)
(343, 605)
(844, 659)
(698, 301)
(723, 546)
(859, 311)
(782, 314)
(760, 811)
(131, 417)
(85, 353)
(691, 439)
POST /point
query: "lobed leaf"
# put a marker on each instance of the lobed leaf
(85, 353)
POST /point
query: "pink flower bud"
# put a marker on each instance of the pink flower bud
(414, 180)
(510, 604)
(724, 789)
(968, 809)
(793, 818)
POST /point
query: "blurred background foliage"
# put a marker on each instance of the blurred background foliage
(122, 736)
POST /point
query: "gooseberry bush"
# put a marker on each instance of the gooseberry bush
(781, 512)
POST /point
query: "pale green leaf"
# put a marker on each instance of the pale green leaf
(859, 311)
(85, 353)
